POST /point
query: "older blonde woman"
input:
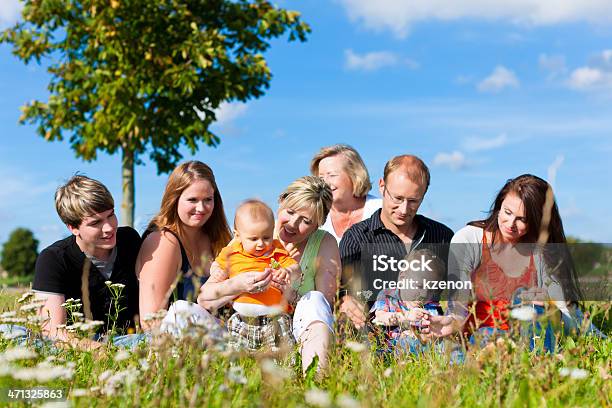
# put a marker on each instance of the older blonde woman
(303, 207)
(343, 169)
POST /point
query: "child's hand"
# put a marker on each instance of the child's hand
(413, 317)
(281, 276)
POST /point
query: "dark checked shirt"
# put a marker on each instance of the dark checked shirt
(369, 238)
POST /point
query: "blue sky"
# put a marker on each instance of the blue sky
(482, 92)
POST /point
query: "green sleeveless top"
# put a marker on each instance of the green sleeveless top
(308, 261)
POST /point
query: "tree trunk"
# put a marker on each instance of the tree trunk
(127, 187)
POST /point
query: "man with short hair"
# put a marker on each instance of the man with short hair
(392, 231)
(96, 252)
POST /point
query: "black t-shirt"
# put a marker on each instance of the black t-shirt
(59, 269)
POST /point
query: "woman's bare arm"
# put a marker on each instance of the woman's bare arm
(157, 269)
(328, 268)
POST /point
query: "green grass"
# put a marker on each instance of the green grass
(168, 374)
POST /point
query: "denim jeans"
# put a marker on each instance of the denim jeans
(20, 334)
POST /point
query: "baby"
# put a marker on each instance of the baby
(260, 318)
(406, 308)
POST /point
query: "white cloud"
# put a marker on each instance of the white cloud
(455, 160)
(9, 11)
(398, 16)
(553, 64)
(375, 60)
(597, 75)
(500, 78)
(23, 186)
(554, 168)
(227, 112)
(475, 144)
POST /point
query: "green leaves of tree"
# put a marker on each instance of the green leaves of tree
(137, 75)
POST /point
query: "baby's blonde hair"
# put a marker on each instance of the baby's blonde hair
(255, 209)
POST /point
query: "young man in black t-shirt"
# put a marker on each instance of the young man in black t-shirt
(96, 252)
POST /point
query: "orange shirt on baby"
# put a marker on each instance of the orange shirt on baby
(234, 258)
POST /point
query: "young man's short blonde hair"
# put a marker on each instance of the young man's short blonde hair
(255, 209)
(414, 167)
(308, 192)
(81, 197)
(354, 166)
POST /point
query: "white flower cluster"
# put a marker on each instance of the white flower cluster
(111, 382)
(155, 316)
(114, 285)
(573, 373)
(84, 326)
(44, 371)
(236, 375)
(16, 354)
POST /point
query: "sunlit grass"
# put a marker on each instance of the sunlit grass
(182, 373)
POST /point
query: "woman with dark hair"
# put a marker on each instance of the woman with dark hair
(516, 255)
(187, 233)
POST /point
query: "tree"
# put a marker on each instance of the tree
(19, 253)
(145, 75)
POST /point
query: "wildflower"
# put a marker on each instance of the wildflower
(25, 297)
(43, 372)
(55, 404)
(77, 314)
(19, 353)
(524, 313)
(12, 313)
(108, 283)
(32, 306)
(317, 397)
(105, 376)
(155, 316)
(573, 373)
(117, 286)
(112, 382)
(579, 374)
(388, 372)
(346, 401)
(236, 375)
(79, 392)
(14, 320)
(122, 355)
(356, 347)
(37, 320)
(90, 325)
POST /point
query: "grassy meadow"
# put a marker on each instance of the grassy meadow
(197, 372)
